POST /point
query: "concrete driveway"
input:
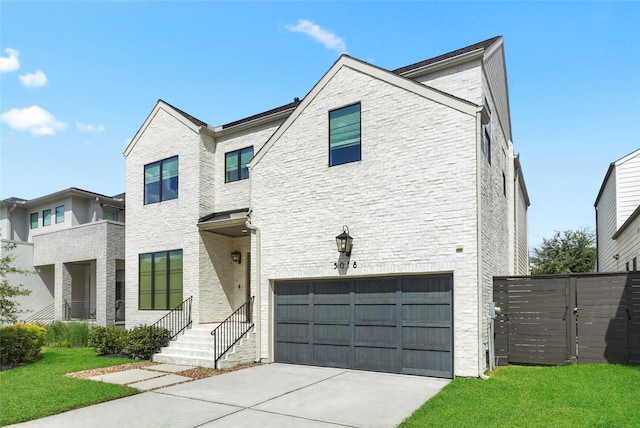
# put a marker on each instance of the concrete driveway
(270, 395)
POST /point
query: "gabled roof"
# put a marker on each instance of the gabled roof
(389, 77)
(289, 106)
(193, 123)
(468, 49)
(612, 166)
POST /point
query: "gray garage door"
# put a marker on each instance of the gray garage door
(388, 324)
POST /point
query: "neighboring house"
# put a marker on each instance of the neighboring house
(618, 216)
(75, 241)
(417, 163)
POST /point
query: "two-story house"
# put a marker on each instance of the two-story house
(74, 240)
(368, 218)
(618, 216)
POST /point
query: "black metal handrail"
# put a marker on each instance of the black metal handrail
(231, 330)
(177, 320)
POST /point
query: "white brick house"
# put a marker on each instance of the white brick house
(75, 241)
(618, 216)
(418, 163)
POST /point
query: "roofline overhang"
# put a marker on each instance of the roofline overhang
(220, 131)
(627, 223)
(212, 225)
(518, 167)
(477, 54)
(71, 192)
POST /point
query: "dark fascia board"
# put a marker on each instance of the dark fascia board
(115, 200)
(458, 52)
(612, 165)
(625, 225)
(222, 215)
(518, 167)
(192, 119)
(267, 113)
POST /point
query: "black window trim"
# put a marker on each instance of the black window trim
(31, 223)
(44, 217)
(329, 133)
(160, 163)
(153, 279)
(239, 152)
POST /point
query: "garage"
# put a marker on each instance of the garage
(398, 324)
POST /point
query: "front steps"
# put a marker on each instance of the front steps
(195, 348)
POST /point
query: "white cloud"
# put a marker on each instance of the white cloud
(11, 62)
(34, 119)
(89, 128)
(327, 38)
(34, 80)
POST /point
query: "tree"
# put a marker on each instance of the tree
(9, 308)
(568, 251)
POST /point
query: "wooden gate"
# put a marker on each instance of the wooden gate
(561, 319)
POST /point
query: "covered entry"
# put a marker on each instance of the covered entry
(389, 324)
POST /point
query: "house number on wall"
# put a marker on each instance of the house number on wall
(342, 265)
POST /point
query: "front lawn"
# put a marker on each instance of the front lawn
(42, 389)
(570, 396)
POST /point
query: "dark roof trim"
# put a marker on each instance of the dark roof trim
(192, 119)
(73, 190)
(604, 183)
(625, 225)
(289, 106)
(480, 45)
(222, 215)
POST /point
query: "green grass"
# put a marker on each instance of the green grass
(42, 389)
(569, 396)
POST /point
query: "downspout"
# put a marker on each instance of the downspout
(10, 218)
(258, 291)
(479, 158)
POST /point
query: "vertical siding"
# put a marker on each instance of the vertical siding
(628, 187)
(495, 71)
(606, 226)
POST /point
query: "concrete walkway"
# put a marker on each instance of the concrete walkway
(270, 395)
(146, 378)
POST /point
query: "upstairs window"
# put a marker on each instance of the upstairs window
(344, 135)
(34, 220)
(46, 218)
(60, 214)
(486, 142)
(161, 180)
(235, 164)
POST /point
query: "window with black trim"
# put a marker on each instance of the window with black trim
(46, 218)
(60, 214)
(34, 220)
(160, 280)
(344, 135)
(161, 180)
(235, 164)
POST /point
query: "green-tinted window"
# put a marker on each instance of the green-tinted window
(60, 214)
(46, 218)
(34, 220)
(160, 280)
(235, 164)
(161, 180)
(344, 135)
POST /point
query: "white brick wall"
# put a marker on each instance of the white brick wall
(166, 225)
(408, 203)
(464, 81)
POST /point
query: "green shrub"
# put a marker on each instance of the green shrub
(67, 334)
(144, 341)
(107, 340)
(20, 343)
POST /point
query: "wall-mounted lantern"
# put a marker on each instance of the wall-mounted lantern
(236, 256)
(344, 241)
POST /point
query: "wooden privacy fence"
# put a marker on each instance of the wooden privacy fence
(562, 319)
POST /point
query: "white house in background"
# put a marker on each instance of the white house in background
(75, 241)
(618, 216)
(415, 164)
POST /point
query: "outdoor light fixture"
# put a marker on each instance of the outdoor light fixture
(343, 241)
(236, 256)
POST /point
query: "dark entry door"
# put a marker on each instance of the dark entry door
(388, 324)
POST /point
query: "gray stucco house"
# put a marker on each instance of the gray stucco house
(75, 240)
(415, 165)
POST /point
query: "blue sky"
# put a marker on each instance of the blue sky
(77, 79)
